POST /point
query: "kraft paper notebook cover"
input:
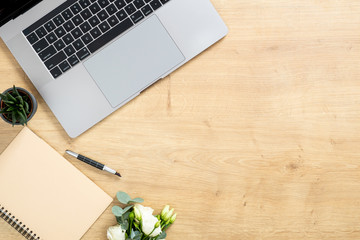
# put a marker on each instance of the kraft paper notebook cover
(45, 192)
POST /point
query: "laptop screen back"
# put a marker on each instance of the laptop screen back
(10, 9)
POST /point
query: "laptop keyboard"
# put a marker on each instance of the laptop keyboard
(77, 28)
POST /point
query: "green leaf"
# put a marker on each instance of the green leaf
(2, 96)
(138, 236)
(162, 235)
(10, 97)
(119, 220)
(13, 118)
(127, 208)
(126, 215)
(117, 211)
(8, 102)
(123, 197)
(136, 200)
(15, 91)
(19, 98)
(125, 225)
(26, 107)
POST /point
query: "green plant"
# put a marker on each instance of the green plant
(16, 107)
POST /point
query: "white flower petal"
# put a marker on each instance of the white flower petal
(115, 233)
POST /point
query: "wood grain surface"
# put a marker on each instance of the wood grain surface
(256, 138)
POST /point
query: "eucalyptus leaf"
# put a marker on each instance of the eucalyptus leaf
(132, 234)
(136, 200)
(138, 237)
(125, 216)
(123, 197)
(127, 208)
(125, 225)
(162, 235)
(117, 211)
(119, 220)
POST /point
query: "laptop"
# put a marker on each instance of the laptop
(87, 58)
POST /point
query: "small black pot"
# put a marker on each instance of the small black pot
(31, 101)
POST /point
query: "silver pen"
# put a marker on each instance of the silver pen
(93, 163)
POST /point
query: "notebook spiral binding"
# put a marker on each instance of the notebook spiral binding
(15, 223)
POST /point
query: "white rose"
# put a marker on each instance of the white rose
(148, 221)
(116, 233)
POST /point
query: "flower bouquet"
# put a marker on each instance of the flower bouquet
(136, 222)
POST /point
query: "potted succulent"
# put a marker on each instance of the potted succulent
(17, 106)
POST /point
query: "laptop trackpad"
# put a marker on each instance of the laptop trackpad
(134, 61)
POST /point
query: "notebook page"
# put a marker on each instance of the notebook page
(46, 192)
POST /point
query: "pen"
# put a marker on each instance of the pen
(92, 163)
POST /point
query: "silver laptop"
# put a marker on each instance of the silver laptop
(87, 58)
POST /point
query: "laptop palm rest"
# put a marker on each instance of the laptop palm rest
(134, 61)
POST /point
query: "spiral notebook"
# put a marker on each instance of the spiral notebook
(42, 195)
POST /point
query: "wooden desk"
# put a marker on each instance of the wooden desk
(256, 138)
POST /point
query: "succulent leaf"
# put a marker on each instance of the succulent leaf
(15, 106)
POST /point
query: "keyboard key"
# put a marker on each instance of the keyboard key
(40, 32)
(94, 21)
(84, 3)
(86, 38)
(49, 26)
(120, 4)
(110, 35)
(32, 38)
(113, 21)
(69, 50)
(59, 44)
(77, 20)
(60, 31)
(69, 26)
(139, 3)
(67, 14)
(75, 8)
(56, 72)
(85, 27)
(40, 45)
(73, 60)
(68, 39)
(104, 26)
(76, 33)
(103, 15)
(121, 15)
(94, 8)
(147, 1)
(130, 9)
(82, 54)
(58, 20)
(51, 38)
(55, 60)
(103, 3)
(155, 4)
(43, 20)
(146, 10)
(78, 44)
(47, 53)
(64, 66)
(111, 9)
(86, 14)
(128, 1)
(95, 32)
(164, 1)
(136, 17)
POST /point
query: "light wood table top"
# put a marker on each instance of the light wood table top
(256, 138)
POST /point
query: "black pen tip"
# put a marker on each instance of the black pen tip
(117, 174)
